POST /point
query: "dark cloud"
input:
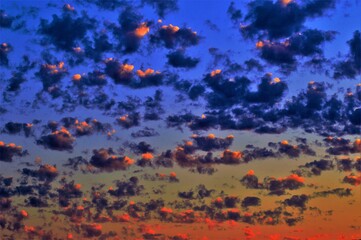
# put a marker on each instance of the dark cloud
(5, 48)
(225, 92)
(251, 201)
(8, 151)
(58, 140)
(106, 5)
(120, 73)
(130, 31)
(317, 166)
(258, 153)
(45, 172)
(94, 78)
(128, 188)
(16, 128)
(277, 19)
(145, 132)
(278, 186)
(105, 159)
(178, 59)
(303, 44)
(129, 120)
(91, 230)
(297, 201)
(352, 179)
(51, 74)
(234, 13)
(211, 142)
(250, 180)
(162, 7)
(15, 81)
(350, 67)
(5, 20)
(148, 78)
(66, 31)
(341, 192)
(141, 147)
(269, 90)
(174, 36)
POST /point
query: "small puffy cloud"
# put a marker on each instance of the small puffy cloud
(251, 201)
(8, 151)
(5, 48)
(65, 31)
(230, 157)
(16, 128)
(120, 73)
(51, 74)
(94, 78)
(129, 120)
(126, 188)
(105, 159)
(297, 201)
(58, 140)
(317, 166)
(278, 19)
(162, 7)
(45, 172)
(250, 180)
(278, 186)
(178, 59)
(174, 36)
(350, 67)
(352, 179)
(148, 78)
(211, 142)
(268, 91)
(5, 20)
(303, 44)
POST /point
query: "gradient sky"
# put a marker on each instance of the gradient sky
(180, 120)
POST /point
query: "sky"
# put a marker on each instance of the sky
(172, 119)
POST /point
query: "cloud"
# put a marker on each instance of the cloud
(58, 140)
(129, 120)
(317, 166)
(234, 13)
(211, 142)
(352, 179)
(268, 91)
(297, 201)
(128, 188)
(178, 59)
(51, 74)
(105, 159)
(94, 78)
(275, 19)
(174, 36)
(303, 44)
(278, 186)
(162, 7)
(8, 151)
(5, 48)
(45, 172)
(16, 128)
(145, 132)
(149, 78)
(250, 180)
(65, 31)
(5, 20)
(251, 201)
(350, 67)
(120, 73)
